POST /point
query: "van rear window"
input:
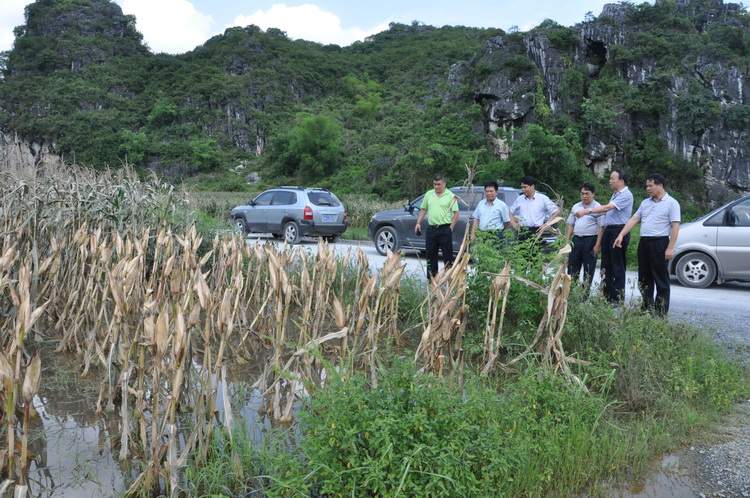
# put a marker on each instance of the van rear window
(323, 199)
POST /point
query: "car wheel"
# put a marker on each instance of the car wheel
(331, 238)
(239, 227)
(386, 238)
(696, 270)
(291, 232)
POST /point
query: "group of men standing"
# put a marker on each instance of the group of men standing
(595, 229)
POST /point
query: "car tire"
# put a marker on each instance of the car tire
(291, 232)
(386, 238)
(331, 239)
(239, 226)
(696, 270)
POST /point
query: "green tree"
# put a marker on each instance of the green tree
(696, 111)
(133, 146)
(316, 146)
(550, 158)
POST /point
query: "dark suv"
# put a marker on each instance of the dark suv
(292, 212)
(394, 229)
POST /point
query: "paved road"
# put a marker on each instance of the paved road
(724, 308)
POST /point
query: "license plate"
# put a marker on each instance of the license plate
(329, 218)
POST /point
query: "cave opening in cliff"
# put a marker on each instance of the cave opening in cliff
(596, 52)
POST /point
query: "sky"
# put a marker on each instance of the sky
(177, 26)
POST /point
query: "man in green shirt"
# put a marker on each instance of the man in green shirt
(441, 207)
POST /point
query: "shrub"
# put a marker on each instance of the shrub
(418, 436)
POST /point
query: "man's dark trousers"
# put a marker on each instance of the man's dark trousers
(614, 260)
(438, 237)
(582, 256)
(653, 273)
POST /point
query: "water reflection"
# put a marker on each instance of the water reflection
(76, 450)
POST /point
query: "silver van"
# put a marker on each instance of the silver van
(714, 247)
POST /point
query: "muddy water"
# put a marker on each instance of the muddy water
(77, 450)
(670, 478)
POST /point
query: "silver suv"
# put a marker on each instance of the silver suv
(292, 212)
(714, 247)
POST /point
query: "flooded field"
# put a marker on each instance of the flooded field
(75, 449)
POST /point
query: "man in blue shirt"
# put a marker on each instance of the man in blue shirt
(491, 214)
(659, 216)
(614, 259)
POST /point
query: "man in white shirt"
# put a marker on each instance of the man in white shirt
(587, 236)
(659, 216)
(614, 259)
(534, 211)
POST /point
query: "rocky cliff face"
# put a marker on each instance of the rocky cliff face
(636, 82)
(71, 38)
(720, 146)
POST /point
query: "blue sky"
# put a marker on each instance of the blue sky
(176, 26)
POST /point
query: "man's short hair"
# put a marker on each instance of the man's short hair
(438, 178)
(528, 180)
(493, 184)
(622, 175)
(588, 186)
(658, 179)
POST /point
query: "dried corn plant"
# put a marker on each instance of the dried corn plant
(445, 323)
(548, 338)
(494, 328)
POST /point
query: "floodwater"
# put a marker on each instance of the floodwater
(669, 479)
(76, 450)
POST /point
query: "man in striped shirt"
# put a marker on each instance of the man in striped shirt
(659, 216)
(587, 236)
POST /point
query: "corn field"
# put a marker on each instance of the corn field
(110, 269)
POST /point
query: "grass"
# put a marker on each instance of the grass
(355, 233)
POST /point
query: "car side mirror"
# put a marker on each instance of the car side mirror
(731, 218)
(408, 207)
(251, 202)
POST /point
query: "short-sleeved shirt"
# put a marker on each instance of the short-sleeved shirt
(439, 209)
(623, 201)
(657, 216)
(587, 224)
(491, 216)
(533, 212)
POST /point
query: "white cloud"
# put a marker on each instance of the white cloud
(11, 15)
(172, 26)
(308, 22)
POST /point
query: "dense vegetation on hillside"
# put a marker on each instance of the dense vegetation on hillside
(378, 116)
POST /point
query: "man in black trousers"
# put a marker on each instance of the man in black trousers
(659, 216)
